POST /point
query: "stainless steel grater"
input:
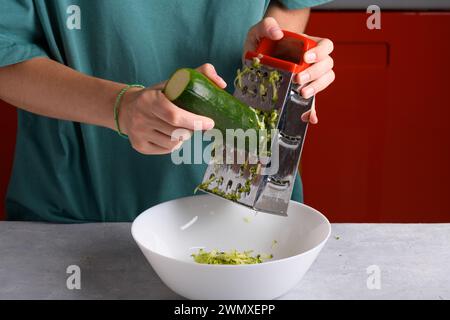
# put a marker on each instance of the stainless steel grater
(270, 189)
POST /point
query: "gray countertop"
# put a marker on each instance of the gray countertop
(413, 260)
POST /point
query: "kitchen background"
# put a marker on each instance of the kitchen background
(381, 150)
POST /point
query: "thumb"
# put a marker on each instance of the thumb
(269, 28)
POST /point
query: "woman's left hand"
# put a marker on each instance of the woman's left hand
(313, 79)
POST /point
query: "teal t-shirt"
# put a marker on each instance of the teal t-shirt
(71, 172)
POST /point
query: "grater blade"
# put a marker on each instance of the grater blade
(271, 179)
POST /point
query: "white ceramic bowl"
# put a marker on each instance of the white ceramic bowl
(170, 232)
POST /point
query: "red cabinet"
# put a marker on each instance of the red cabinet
(381, 150)
(8, 125)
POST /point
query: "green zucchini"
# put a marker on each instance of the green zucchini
(194, 92)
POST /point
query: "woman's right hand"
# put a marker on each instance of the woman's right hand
(149, 118)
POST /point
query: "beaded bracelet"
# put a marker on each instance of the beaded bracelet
(117, 106)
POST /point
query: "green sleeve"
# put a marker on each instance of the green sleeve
(21, 36)
(300, 4)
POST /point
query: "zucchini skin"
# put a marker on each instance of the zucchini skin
(201, 96)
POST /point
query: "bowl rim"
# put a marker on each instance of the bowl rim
(256, 265)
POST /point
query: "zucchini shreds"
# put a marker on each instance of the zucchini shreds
(262, 90)
(205, 185)
(233, 257)
(274, 78)
(256, 63)
(238, 79)
(271, 119)
(260, 116)
(239, 75)
(274, 243)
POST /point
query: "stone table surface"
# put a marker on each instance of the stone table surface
(359, 261)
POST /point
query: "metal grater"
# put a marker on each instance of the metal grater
(271, 192)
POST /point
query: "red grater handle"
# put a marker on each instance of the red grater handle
(286, 53)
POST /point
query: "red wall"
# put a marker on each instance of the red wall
(8, 125)
(381, 150)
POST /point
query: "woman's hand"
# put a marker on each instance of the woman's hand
(313, 79)
(149, 118)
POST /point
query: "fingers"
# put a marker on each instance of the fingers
(177, 117)
(311, 116)
(162, 140)
(315, 71)
(320, 74)
(155, 142)
(148, 148)
(159, 86)
(318, 85)
(208, 70)
(169, 130)
(268, 28)
(321, 51)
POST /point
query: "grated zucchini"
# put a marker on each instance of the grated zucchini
(233, 257)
